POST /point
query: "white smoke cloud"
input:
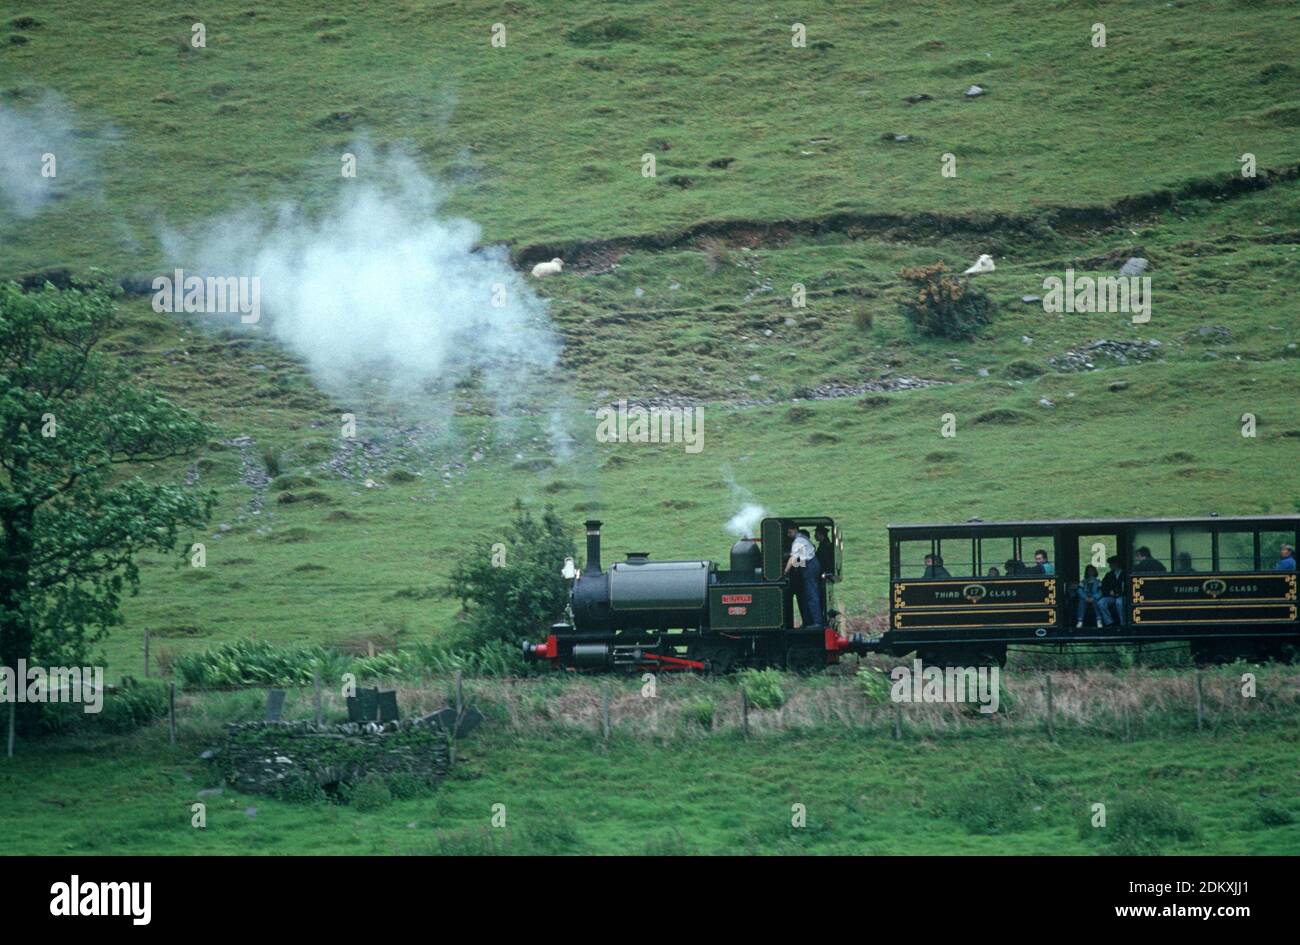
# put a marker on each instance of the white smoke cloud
(382, 284)
(750, 514)
(745, 523)
(27, 135)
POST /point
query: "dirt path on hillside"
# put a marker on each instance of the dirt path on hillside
(598, 255)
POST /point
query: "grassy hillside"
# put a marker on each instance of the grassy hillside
(704, 318)
(772, 169)
(542, 140)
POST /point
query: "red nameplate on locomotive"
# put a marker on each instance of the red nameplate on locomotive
(738, 598)
(737, 611)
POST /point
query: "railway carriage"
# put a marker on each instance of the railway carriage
(1210, 581)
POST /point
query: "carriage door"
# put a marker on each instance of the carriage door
(1090, 549)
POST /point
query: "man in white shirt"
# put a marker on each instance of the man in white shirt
(803, 557)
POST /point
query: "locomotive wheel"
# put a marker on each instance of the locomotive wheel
(805, 659)
(718, 657)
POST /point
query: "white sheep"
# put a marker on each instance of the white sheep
(983, 264)
(551, 268)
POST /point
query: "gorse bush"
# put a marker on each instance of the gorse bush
(763, 688)
(942, 306)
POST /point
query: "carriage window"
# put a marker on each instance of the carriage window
(911, 558)
(994, 553)
(1237, 550)
(1157, 540)
(1029, 545)
(1270, 547)
(1193, 550)
(956, 556)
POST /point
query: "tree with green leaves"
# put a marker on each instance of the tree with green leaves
(76, 438)
(513, 590)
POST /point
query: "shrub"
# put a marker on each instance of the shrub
(370, 793)
(700, 713)
(272, 459)
(403, 785)
(763, 688)
(1141, 824)
(1000, 801)
(300, 788)
(512, 602)
(1023, 370)
(943, 306)
(494, 658)
(380, 666)
(550, 834)
(249, 662)
(1272, 814)
(133, 704)
(875, 685)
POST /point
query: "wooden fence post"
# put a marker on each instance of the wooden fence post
(898, 721)
(1051, 731)
(13, 718)
(146, 652)
(460, 697)
(744, 712)
(1200, 703)
(315, 681)
(171, 711)
(604, 708)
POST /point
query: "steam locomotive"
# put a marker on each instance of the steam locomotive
(1225, 590)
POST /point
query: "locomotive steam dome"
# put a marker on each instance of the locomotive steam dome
(747, 556)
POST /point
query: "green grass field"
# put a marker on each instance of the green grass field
(771, 171)
(956, 783)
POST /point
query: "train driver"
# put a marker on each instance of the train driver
(803, 556)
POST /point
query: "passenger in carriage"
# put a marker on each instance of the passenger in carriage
(934, 567)
(1183, 562)
(1286, 558)
(1089, 594)
(1112, 594)
(1146, 564)
(1014, 567)
(994, 572)
(1041, 565)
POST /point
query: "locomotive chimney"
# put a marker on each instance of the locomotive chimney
(593, 546)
